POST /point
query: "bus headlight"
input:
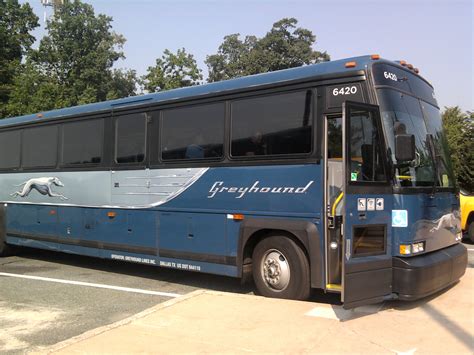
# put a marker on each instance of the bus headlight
(408, 249)
(418, 247)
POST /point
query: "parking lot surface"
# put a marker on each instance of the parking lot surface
(47, 298)
(217, 322)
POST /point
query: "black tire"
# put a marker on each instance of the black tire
(5, 250)
(470, 231)
(280, 260)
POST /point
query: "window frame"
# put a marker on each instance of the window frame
(161, 131)
(56, 125)
(275, 157)
(361, 186)
(62, 164)
(115, 118)
(360, 255)
(20, 134)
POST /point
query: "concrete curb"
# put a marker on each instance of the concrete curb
(93, 332)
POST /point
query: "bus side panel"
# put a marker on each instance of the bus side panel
(196, 236)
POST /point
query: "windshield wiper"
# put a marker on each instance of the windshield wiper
(434, 158)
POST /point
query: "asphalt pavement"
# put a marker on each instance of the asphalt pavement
(47, 298)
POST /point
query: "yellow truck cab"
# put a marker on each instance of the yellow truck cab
(467, 214)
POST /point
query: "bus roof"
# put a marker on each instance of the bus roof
(281, 76)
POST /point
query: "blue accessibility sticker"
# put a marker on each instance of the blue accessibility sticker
(399, 218)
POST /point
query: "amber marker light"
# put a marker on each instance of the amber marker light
(375, 56)
(111, 214)
(405, 249)
(350, 64)
(39, 115)
(410, 66)
(235, 216)
(403, 62)
(416, 70)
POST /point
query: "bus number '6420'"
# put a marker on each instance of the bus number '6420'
(348, 90)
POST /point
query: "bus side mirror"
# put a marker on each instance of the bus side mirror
(404, 147)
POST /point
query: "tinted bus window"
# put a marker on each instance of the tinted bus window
(272, 125)
(39, 147)
(10, 150)
(366, 162)
(130, 138)
(82, 142)
(193, 132)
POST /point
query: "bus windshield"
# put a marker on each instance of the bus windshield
(431, 166)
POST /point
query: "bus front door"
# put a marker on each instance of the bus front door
(366, 211)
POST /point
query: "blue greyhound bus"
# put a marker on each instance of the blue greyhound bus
(332, 176)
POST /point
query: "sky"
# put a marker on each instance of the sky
(436, 36)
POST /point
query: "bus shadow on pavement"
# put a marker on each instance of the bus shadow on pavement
(343, 315)
(187, 278)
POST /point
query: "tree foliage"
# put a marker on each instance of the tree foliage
(172, 71)
(16, 23)
(73, 64)
(459, 130)
(284, 46)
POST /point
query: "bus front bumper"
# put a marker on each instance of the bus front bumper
(423, 275)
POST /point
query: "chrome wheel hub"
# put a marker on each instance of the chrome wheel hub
(275, 270)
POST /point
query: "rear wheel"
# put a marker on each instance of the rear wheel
(280, 269)
(5, 249)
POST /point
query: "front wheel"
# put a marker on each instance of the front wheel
(280, 269)
(470, 231)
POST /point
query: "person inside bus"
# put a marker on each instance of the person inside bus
(257, 145)
(195, 150)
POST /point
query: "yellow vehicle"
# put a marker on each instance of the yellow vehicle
(467, 214)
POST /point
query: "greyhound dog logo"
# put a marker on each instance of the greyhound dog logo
(450, 221)
(42, 185)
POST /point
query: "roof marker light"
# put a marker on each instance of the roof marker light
(416, 70)
(410, 66)
(403, 62)
(350, 64)
(375, 56)
(39, 115)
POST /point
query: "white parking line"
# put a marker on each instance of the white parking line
(88, 284)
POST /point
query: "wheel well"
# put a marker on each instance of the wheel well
(261, 234)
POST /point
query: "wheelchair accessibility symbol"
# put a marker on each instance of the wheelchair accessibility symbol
(399, 218)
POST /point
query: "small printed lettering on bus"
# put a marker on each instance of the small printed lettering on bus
(181, 266)
(133, 259)
(240, 192)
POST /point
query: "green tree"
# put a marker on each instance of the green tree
(284, 46)
(73, 64)
(459, 130)
(16, 23)
(172, 71)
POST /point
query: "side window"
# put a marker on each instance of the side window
(193, 133)
(130, 141)
(369, 240)
(272, 125)
(366, 162)
(39, 147)
(82, 142)
(10, 150)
